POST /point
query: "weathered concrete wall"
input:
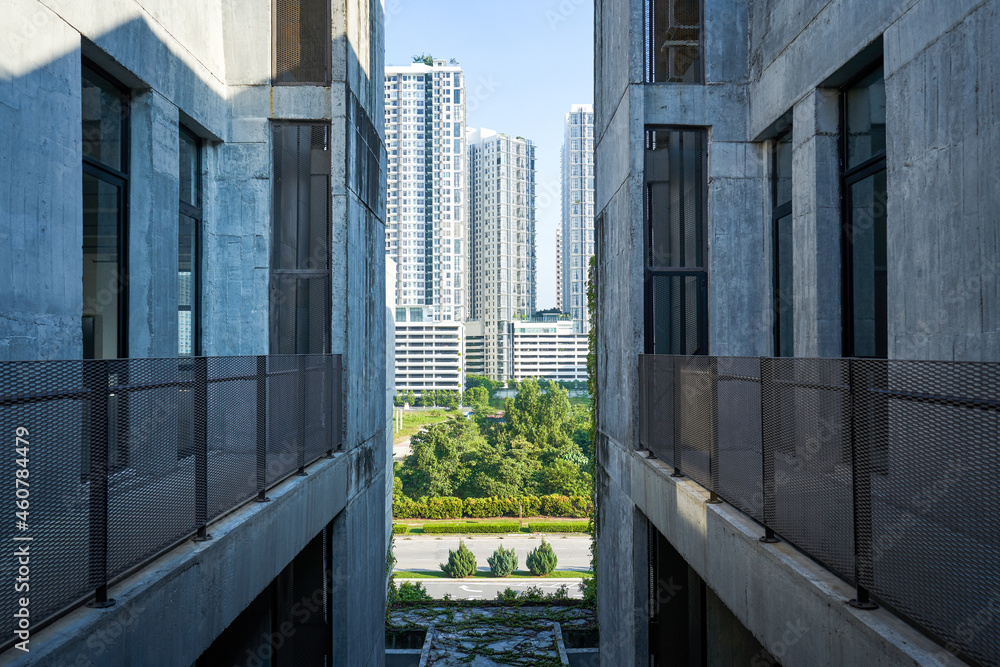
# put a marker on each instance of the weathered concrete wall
(768, 63)
(206, 65)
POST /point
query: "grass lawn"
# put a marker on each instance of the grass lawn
(579, 400)
(485, 574)
(416, 420)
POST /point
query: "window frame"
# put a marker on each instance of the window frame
(778, 212)
(327, 56)
(196, 213)
(120, 179)
(848, 177)
(651, 271)
(648, 41)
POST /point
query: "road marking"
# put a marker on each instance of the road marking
(470, 590)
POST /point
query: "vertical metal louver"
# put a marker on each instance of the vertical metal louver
(300, 253)
(301, 42)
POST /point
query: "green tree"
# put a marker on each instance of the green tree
(450, 399)
(473, 380)
(477, 397)
(503, 562)
(565, 478)
(411, 398)
(542, 560)
(441, 458)
(425, 58)
(461, 563)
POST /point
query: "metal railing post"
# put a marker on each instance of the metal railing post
(861, 482)
(767, 447)
(677, 417)
(97, 385)
(201, 448)
(713, 451)
(301, 435)
(333, 392)
(262, 430)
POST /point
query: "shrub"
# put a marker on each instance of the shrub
(399, 528)
(558, 527)
(404, 508)
(576, 507)
(542, 561)
(468, 528)
(503, 562)
(461, 563)
(412, 592)
(532, 594)
(444, 507)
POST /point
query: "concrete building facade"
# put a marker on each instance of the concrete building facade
(501, 239)
(207, 179)
(780, 179)
(575, 239)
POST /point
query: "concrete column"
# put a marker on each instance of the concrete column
(816, 225)
(152, 226)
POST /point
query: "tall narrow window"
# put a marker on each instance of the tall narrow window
(105, 191)
(188, 246)
(300, 253)
(676, 262)
(863, 181)
(302, 35)
(673, 41)
(781, 221)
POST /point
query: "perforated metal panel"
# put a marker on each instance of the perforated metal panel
(883, 471)
(122, 459)
(302, 34)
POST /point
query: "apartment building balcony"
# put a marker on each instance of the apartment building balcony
(881, 471)
(125, 468)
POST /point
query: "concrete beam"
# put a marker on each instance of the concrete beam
(796, 608)
(175, 607)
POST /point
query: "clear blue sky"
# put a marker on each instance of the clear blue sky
(525, 64)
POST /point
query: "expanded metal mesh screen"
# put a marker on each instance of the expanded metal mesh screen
(112, 462)
(673, 41)
(884, 471)
(302, 39)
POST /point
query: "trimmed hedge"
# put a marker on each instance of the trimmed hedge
(577, 507)
(399, 528)
(558, 527)
(462, 528)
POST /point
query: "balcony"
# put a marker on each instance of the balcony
(119, 461)
(883, 471)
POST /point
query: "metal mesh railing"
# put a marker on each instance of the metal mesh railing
(884, 471)
(110, 462)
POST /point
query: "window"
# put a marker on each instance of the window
(189, 247)
(781, 239)
(863, 191)
(301, 42)
(105, 193)
(673, 41)
(677, 274)
(300, 257)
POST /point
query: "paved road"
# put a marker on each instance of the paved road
(426, 552)
(487, 589)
